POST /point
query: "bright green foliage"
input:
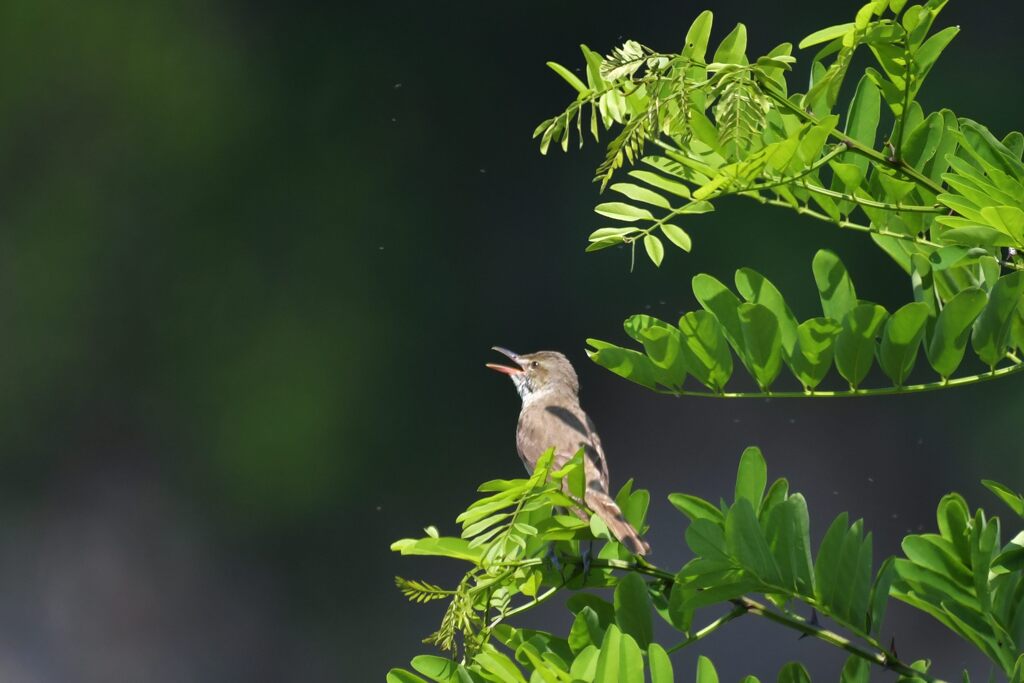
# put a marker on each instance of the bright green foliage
(967, 579)
(763, 546)
(760, 544)
(938, 193)
(764, 334)
(513, 522)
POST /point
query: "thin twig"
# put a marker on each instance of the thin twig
(883, 391)
(736, 612)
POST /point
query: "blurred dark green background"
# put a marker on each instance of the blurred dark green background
(252, 258)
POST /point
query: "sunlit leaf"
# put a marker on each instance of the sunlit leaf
(949, 338)
(855, 345)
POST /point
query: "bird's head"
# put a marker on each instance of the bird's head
(541, 371)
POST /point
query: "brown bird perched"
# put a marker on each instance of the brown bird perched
(551, 416)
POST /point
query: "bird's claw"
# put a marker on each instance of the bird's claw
(552, 557)
(586, 557)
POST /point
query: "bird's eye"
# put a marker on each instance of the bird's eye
(534, 364)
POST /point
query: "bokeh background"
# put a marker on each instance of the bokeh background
(252, 258)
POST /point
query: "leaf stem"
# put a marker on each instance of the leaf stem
(910, 208)
(882, 658)
(883, 391)
(775, 182)
(908, 59)
(848, 225)
(855, 146)
(736, 612)
(525, 606)
(747, 605)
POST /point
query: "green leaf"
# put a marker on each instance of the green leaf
(456, 548)
(751, 477)
(922, 142)
(696, 508)
(620, 660)
(1005, 494)
(584, 667)
(880, 596)
(623, 212)
(605, 610)
(434, 667)
(978, 236)
(705, 349)
(933, 552)
(633, 609)
(1011, 557)
(1014, 141)
(757, 289)
(697, 37)
(835, 288)
(641, 194)
(586, 630)
(984, 545)
(719, 300)
(825, 35)
(935, 168)
(577, 478)
(662, 183)
(733, 47)
(655, 249)
(978, 138)
(855, 670)
(895, 190)
(949, 338)
(663, 346)
(788, 532)
(696, 207)
(403, 676)
(855, 345)
(827, 564)
(991, 334)
(850, 175)
(660, 664)
(706, 671)
(929, 51)
(676, 236)
(762, 343)
(627, 363)
(814, 350)
(615, 234)
(1006, 219)
(794, 672)
(953, 519)
(777, 493)
(900, 341)
(862, 120)
(569, 77)
(850, 604)
(747, 544)
(680, 614)
(707, 540)
(496, 663)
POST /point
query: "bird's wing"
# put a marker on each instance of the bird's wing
(543, 425)
(600, 460)
(566, 427)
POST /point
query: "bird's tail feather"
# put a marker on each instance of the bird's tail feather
(605, 507)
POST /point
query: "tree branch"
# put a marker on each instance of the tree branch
(745, 605)
(883, 391)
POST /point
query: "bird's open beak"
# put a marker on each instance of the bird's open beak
(505, 368)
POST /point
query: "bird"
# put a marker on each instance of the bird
(551, 416)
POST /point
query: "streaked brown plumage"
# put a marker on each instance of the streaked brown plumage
(551, 416)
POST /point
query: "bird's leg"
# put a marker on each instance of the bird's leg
(552, 556)
(586, 558)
